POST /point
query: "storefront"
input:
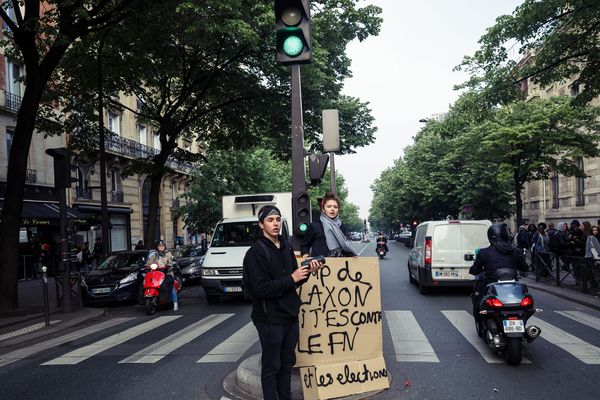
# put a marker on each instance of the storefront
(119, 227)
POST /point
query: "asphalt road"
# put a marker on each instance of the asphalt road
(118, 356)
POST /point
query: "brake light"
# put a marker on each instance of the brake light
(494, 302)
(527, 301)
(428, 251)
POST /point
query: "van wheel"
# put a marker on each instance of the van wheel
(212, 299)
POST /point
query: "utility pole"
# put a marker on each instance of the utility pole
(101, 134)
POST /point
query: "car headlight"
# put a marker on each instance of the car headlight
(129, 278)
(195, 267)
(209, 272)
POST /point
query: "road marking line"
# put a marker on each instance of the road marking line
(27, 329)
(233, 348)
(83, 353)
(582, 318)
(363, 249)
(159, 350)
(585, 352)
(20, 354)
(410, 343)
(464, 323)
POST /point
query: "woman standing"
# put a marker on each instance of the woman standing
(327, 236)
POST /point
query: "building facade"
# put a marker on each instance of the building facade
(562, 198)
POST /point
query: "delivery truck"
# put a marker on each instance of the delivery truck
(233, 236)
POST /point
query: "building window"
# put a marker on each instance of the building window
(10, 11)
(114, 123)
(14, 85)
(143, 134)
(555, 202)
(82, 185)
(580, 199)
(10, 134)
(574, 89)
(115, 186)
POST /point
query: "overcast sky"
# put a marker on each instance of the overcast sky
(406, 74)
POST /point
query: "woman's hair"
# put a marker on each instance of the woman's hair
(587, 228)
(330, 196)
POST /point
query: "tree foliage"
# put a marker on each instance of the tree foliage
(556, 39)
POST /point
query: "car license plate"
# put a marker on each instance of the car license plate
(513, 326)
(446, 274)
(233, 289)
(101, 290)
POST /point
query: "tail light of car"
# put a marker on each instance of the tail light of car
(428, 252)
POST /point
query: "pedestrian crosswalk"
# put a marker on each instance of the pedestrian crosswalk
(410, 340)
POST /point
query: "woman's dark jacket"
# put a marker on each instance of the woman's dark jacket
(314, 242)
(269, 279)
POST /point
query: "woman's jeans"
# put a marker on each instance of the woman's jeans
(278, 343)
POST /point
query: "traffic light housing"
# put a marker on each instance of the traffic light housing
(301, 211)
(293, 37)
(317, 164)
(62, 167)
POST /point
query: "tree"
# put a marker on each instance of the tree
(531, 140)
(557, 40)
(39, 35)
(210, 74)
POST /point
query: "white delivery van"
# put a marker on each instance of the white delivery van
(441, 252)
(233, 236)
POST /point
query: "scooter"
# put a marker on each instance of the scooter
(154, 297)
(380, 249)
(503, 313)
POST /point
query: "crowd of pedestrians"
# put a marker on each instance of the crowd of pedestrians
(577, 246)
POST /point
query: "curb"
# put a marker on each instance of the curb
(567, 296)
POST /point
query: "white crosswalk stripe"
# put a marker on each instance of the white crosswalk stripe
(587, 353)
(83, 353)
(463, 321)
(233, 348)
(159, 350)
(582, 318)
(28, 351)
(410, 343)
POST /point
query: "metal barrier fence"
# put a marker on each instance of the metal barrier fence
(579, 273)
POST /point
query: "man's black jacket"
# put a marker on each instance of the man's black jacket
(496, 256)
(269, 271)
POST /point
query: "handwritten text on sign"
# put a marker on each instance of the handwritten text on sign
(340, 317)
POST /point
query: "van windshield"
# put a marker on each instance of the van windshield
(235, 234)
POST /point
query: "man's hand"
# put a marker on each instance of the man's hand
(300, 274)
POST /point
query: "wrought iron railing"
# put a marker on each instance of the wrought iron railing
(12, 101)
(31, 176)
(116, 197)
(132, 149)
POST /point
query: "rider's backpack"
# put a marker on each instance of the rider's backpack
(556, 240)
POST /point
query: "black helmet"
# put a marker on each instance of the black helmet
(159, 242)
(497, 232)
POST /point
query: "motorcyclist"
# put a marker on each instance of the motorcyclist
(500, 254)
(381, 238)
(164, 259)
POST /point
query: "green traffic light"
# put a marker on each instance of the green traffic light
(303, 227)
(293, 46)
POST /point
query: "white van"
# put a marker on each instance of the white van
(442, 252)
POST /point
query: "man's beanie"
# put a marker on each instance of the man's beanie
(267, 210)
(575, 223)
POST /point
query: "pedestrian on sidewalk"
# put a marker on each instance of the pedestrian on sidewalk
(271, 275)
(98, 251)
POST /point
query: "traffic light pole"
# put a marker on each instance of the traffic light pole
(298, 166)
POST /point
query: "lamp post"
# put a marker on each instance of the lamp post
(101, 134)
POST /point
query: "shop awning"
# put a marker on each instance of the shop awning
(95, 209)
(47, 213)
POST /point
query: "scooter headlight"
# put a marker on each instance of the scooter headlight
(154, 266)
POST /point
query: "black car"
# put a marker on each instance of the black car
(117, 279)
(189, 259)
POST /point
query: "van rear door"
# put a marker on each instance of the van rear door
(446, 251)
(474, 236)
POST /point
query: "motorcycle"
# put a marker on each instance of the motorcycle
(380, 249)
(155, 295)
(504, 309)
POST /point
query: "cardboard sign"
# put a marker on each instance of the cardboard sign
(340, 329)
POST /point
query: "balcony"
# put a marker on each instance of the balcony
(12, 101)
(31, 176)
(84, 194)
(132, 149)
(116, 197)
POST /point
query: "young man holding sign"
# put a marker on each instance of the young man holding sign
(271, 275)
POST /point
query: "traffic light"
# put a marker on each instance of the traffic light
(294, 41)
(301, 210)
(317, 164)
(62, 167)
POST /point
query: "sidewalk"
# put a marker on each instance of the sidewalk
(28, 322)
(573, 295)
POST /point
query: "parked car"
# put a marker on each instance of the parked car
(189, 259)
(117, 279)
(403, 237)
(442, 252)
